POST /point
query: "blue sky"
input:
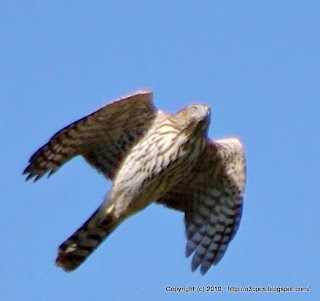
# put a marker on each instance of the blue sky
(256, 63)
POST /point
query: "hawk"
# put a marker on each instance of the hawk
(151, 156)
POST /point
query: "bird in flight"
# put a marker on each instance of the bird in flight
(151, 156)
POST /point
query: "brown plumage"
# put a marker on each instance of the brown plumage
(152, 156)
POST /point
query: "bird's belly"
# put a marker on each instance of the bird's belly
(136, 197)
(148, 174)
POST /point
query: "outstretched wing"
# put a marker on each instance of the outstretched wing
(102, 137)
(211, 197)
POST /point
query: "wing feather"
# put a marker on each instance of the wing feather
(102, 137)
(211, 197)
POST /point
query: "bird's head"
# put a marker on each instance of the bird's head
(194, 118)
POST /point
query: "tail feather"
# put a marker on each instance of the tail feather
(77, 248)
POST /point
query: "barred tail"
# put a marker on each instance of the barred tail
(77, 248)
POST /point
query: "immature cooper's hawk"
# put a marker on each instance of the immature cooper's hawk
(152, 156)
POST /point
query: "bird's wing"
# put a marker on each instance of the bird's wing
(211, 197)
(102, 137)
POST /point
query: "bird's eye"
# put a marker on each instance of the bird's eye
(194, 109)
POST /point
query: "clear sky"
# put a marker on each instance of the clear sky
(256, 63)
